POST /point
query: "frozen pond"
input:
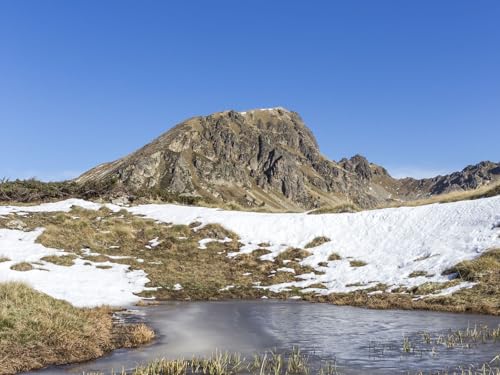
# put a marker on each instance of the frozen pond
(360, 340)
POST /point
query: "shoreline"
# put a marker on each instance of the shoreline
(174, 358)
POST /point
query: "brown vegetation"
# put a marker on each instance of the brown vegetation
(455, 196)
(60, 260)
(37, 330)
(317, 242)
(483, 298)
(207, 274)
(334, 256)
(340, 208)
(22, 267)
(203, 273)
(357, 263)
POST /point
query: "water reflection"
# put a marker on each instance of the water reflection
(355, 337)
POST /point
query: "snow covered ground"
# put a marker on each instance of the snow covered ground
(62, 206)
(82, 284)
(393, 243)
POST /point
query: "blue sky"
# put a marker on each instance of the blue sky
(412, 85)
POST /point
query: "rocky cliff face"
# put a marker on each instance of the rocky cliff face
(265, 158)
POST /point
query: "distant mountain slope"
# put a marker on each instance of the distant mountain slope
(266, 157)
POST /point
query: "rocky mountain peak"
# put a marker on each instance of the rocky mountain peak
(262, 157)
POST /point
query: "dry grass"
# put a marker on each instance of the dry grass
(203, 273)
(357, 263)
(132, 336)
(317, 242)
(226, 363)
(61, 260)
(206, 274)
(34, 191)
(334, 256)
(293, 253)
(483, 298)
(4, 259)
(485, 266)
(456, 196)
(275, 363)
(418, 274)
(22, 267)
(37, 330)
(340, 208)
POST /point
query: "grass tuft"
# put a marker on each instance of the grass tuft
(340, 208)
(37, 330)
(417, 274)
(455, 196)
(317, 241)
(60, 260)
(334, 256)
(357, 263)
(22, 267)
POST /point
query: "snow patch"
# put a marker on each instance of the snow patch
(264, 109)
(61, 206)
(394, 242)
(286, 269)
(154, 242)
(203, 243)
(81, 284)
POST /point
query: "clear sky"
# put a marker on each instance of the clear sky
(412, 85)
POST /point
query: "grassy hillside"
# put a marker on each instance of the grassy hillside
(37, 330)
(34, 191)
(482, 192)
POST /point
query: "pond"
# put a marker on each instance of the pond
(359, 340)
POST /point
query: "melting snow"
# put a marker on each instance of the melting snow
(203, 243)
(286, 269)
(64, 206)
(388, 240)
(393, 243)
(81, 284)
(154, 242)
(264, 109)
(450, 290)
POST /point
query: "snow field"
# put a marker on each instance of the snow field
(393, 243)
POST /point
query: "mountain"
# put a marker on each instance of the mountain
(269, 158)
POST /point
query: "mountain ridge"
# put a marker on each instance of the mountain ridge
(268, 158)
